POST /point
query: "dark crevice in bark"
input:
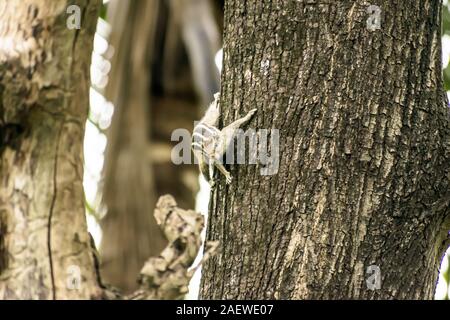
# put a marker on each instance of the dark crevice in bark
(3, 251)
(10, 136)
(50, 215)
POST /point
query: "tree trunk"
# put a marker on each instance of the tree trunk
(364, 130)
(45, 249)
(130, 232)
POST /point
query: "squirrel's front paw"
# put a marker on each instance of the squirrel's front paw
(229, 179)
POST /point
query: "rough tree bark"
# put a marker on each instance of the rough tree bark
(364, 134)
(44, 81)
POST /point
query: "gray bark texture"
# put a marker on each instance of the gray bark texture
(44, 86)
(364, 152)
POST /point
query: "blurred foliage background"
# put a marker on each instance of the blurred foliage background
(155, 65)
(446, 43)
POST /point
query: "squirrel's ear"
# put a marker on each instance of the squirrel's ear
(216, 95)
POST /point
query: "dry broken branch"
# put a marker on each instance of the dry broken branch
(167, 276)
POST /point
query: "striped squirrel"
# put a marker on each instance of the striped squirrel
(210, 144)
